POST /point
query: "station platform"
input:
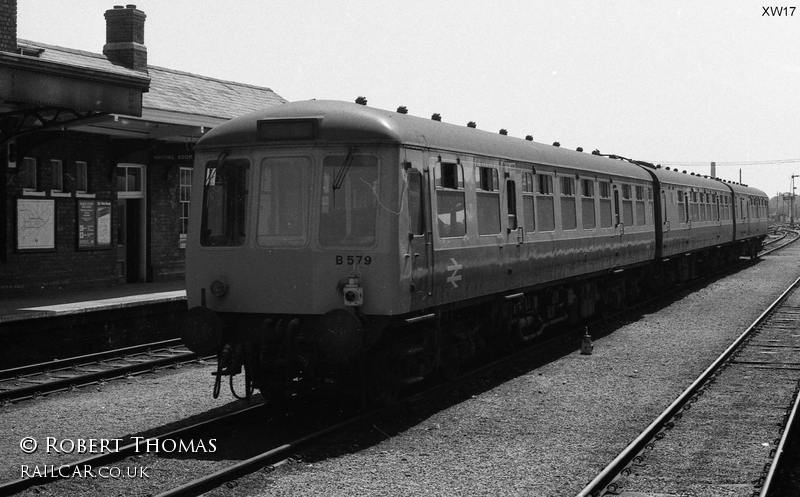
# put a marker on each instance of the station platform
(82, 301)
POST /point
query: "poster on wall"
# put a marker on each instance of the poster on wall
(87, 226)
(36, 226)
(103, 224)
(94, 224)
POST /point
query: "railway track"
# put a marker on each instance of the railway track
(274, 454)
(714, 435)
(786, 237)
(29, 381)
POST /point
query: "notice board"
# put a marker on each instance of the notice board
(36, 225)
(94, 224)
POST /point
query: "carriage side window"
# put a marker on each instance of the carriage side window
(627, 206)
(640, 216)
(416, 221)
(704, 207)
(529, 212)
(545, 206)
(726, 208)
(682, 206)
(587, 203)
(650, 200)
(349, 200)
(283, 201)
(224, 203)
(694, 209)
(488, 196)
(605, 204)
(568, 214)
(511, 204)
(450, 210)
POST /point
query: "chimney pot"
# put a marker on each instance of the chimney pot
(125, 37)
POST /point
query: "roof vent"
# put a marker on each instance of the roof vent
(503, 131)
(529, 138)
(596, 151)
(436, 116)
(402, 110)
(361, 100)
(579, 149)
(472, 124)
(556, 144)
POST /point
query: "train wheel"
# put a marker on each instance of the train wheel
(383, 379)
(450, 363)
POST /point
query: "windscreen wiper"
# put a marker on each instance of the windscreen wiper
(341, 173)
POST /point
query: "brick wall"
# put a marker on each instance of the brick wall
(66, 267)
(166, 255)
(8, 25)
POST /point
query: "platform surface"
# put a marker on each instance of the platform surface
(74, 302)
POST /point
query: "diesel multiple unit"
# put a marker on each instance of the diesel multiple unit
(336, 242)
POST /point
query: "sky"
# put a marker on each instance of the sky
(670, 82)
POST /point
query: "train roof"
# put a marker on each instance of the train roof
(698, 181)
(345, 122)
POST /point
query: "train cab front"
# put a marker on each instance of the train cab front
(281, 269)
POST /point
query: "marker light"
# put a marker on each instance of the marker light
(219, 289)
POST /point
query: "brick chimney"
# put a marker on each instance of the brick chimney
(8, 25)
(125, 37)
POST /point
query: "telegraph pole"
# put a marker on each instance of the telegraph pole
(791, 201)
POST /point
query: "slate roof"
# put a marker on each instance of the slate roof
(171, 90)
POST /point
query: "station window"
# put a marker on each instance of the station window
(528, 205)
(129, 180)
(29, 172)
(56, 175)
(488, 196)
(587, 204)
(81, 177)
(605, 204)
(545, 205)
(568, 214)
(450, 208)
(349, 205)
(184, 197)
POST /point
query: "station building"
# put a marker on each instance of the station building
(96, 155)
